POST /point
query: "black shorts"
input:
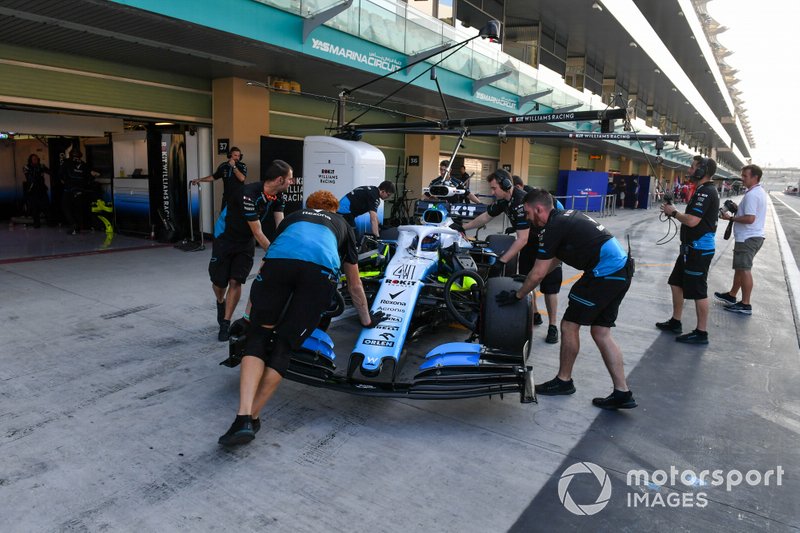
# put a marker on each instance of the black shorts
(230, 261)
(292, 295)
(691, 272)
(595, 301)
(551, 284)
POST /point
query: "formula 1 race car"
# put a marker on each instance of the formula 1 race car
(395, 359)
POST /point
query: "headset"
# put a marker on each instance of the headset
(235, 149)
(503, 179)
(700, 170)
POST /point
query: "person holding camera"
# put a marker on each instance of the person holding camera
(748, 230)
(689, 277)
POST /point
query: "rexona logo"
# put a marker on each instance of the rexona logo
(602, 497)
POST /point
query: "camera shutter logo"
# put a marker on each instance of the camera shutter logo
(602, 498)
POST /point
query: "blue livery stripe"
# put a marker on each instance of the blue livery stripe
(616, 277)
(612, 258)
(307, 241)
(581, 300)
(693, 273)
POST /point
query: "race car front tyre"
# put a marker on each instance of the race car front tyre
(462, 296)
(506, 327)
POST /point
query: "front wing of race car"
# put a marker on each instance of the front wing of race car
(448, 371)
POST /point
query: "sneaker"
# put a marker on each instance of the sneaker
(616, 400)
(537, 319)
(552, 335)
(220, 312)
(240, 432)
(671, 325)
(725, 297)
(555, 387)
(695, 337)
(256, 423)
(739, 307)
(224, 331)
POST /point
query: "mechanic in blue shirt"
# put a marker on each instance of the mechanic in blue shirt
(233, 250)
(292, 290)
(583, 243)
(508, 200)
(689, 277)
(365, 199)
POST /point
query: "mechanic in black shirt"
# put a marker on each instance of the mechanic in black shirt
(36, 189)
(233, 174)
(508, 200)
(76, 177)
(296, 281)
(583, 243)
(232, 253)
(454, 181)
(689, 277)
(365, 199)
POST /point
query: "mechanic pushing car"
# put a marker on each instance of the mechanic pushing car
(508, 200)
(365, 199)
(292, 290)
(581, 242)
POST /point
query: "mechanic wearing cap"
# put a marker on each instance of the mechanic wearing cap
(689, 277)
(365, 199)
(581, 242)
(296, 282)
(76, 176)
(232, 253)
(508, 200)
(454, 181)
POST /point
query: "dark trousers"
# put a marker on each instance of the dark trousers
(75, 206)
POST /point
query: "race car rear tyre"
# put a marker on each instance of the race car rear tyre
(508, 327)
(336, 307)
(462, 296)
(499, 244)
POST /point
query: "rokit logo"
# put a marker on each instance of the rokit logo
(399, 282)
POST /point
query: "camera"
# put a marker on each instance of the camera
(729, 207)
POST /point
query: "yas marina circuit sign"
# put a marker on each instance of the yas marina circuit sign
(372, 59)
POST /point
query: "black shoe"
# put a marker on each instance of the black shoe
(220, 312)
(739, 307)
(671, 325)
(256, 423)
(240, 432)
(725, 297)
(555, 387)
(552, 335)
(224, 331)
(616, 400)
(695, 337)
(537, 319)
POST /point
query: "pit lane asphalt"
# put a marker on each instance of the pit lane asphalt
(112, 402)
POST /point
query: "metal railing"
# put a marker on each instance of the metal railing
(602, 205)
